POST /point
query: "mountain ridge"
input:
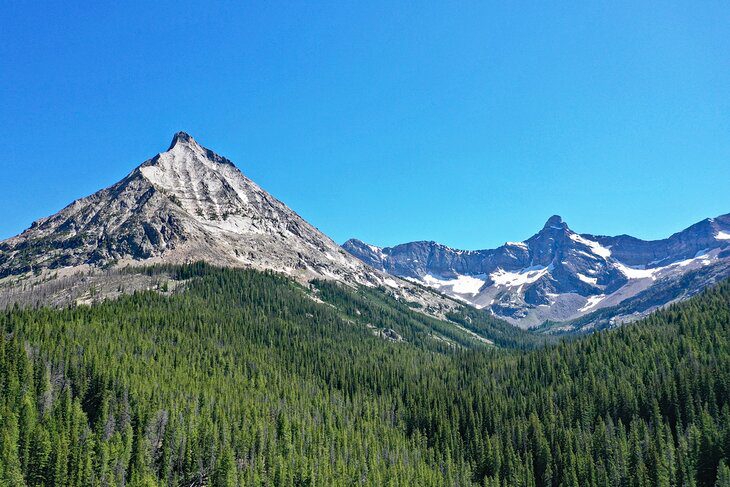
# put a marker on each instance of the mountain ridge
(190, 204)
(556, 274)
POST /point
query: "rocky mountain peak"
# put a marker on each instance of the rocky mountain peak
(190, 204)
(198, 179)
(550, 241)
(187, 203)
(182, 138)
(555, 222)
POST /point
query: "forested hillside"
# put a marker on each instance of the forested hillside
(245, 379)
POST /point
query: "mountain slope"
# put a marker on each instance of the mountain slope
(242, 379)
(557, 274)
(184, 204)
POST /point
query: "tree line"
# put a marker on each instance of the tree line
(247, 378)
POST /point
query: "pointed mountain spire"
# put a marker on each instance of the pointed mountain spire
(181, 138)
(555, 221)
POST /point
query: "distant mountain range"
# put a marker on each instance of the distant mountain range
(558, 276)
(189, 204)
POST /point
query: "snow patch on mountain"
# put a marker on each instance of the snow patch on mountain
(522, 245)
(592, 302)
(595, 247)
(593, 281)
(460, 285)
(637, 272)
(524, 276)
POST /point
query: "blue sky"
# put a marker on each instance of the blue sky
(465, 123)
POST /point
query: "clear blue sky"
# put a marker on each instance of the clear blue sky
(465, 123)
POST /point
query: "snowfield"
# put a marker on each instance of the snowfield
(461, 285)
(514, 279)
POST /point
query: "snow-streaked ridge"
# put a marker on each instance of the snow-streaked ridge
(558, 274)
(595, 247)
(524, 276)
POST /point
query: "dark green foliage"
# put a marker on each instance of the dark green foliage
(243, 379)
(374, 307)
(499, 331)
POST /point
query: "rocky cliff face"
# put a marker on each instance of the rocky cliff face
(557, 274)
(184, 204)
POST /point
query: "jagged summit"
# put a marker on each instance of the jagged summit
(181, 138)
(555, 222)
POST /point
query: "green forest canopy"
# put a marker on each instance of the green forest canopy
(244, 379)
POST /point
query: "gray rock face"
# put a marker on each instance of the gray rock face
(557, 274)
(665, 291)
(184, 204)
(187, 204)
(682, 245)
